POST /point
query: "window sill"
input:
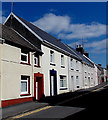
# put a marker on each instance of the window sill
(62, 66)
(37, 66)
(63, 88)
(72, 69)
(53, 64)
(25, 63)
(25, 94)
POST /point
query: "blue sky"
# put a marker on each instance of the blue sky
(72, 22)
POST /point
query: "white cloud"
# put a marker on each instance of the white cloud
(84, 31)
(2, 17)
(53, 24)
(97, 47)
(64, 29)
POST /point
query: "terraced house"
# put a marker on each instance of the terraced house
(34, 64)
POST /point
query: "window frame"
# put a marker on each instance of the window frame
(25, 79)
(27, 56)
(71, 64)
(36, 56)
(77, 63)
(52, 55)
(77, 82)
(64, 82)
(62, 61)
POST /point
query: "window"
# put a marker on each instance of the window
(63, 82)
(36, 59)
(25, 57)
(77, 66)
(25, 85)
(62, 60)
(71, 63)
(52, 56)
(77, 81)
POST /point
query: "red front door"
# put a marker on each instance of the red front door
(38, 86)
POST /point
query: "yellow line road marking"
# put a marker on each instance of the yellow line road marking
(29, 113)
(99, 88)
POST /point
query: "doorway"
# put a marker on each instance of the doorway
(38, 86)
(53, 82)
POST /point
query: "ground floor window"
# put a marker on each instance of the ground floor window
(25, 85)
(77, 81)
(63, 82)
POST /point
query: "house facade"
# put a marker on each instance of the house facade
(20, 71)
(34, 64)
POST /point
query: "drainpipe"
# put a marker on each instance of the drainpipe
(68, 73)
(33, 72)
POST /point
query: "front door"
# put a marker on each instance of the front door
(38, 86)
(53, 82)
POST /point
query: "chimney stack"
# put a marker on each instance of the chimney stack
(80, 49)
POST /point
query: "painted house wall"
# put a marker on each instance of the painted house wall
(73, 73)
(96, 75)
(89, 74)
(12, 71)
(46, 67)
(0, 72)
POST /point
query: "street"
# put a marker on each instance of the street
(96, 104)
(79, 105)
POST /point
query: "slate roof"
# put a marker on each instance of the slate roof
(11, 36)
(49, 38)
(56, 42)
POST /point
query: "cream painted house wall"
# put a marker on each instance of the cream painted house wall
(12, 71)
(46, 67)
(0, 73)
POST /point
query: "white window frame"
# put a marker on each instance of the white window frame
(64, 82)
(25, 80)
(37, 61)
(77, 81)
(24, 54)
(71, 63)
(77, 66)
(52, 57)
(62, 60)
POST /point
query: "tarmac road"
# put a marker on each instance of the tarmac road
(96, 104)
(80, 105)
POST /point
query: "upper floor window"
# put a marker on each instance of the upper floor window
(77, 66)
(25, 57)
(71, 63)
(52, 56)
(36, 60)
(62, 60)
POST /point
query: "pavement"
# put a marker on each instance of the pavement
(52, 101)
